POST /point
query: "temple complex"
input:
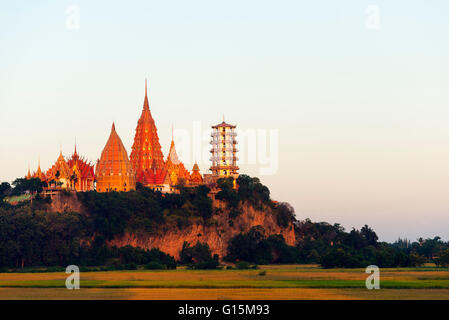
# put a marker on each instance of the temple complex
(114, 171)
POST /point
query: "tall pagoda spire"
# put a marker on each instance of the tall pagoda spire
(146, 151)
(146, 105)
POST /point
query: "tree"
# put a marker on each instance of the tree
(368, 235)
(285, 214)
(5, 188)
(32, 185)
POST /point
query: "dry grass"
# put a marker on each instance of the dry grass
(280, 282)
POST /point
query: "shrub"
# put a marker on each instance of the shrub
(241, 265)
(154, 265)
(130, 266)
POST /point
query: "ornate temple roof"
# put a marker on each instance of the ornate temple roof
(60, 166)
(223, 125)
(84, 169)
(114, 158)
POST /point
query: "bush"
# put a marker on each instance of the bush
(210, 264)
(243, 265)
(130, 266)
(154, 265)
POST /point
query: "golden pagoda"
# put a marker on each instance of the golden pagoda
(175, 168)
(146, 155)
(195, 178)
(114, 171)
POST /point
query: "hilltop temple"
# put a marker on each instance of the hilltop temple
(75, 174)
(114, 171)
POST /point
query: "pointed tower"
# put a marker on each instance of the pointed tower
(174, 167)
(146, 155)
(196, 178)
(28, 176)
(114, 171)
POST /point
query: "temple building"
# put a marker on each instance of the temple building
(176, 171)
(37, 174)
(224, 159)
(59, 174)
(146, 154)
(81, 173)
(114, 171)
(195, 178)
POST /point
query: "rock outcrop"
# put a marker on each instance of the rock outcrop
(216, 236)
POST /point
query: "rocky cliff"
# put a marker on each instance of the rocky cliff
(216, 235)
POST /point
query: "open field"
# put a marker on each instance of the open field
(279, 282)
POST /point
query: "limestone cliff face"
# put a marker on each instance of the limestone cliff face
(171, 241)
(65, 202)
(216, 236)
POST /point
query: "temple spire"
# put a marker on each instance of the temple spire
(146, 105)
(113, 126)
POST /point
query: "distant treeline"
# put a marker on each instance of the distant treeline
(31, 236)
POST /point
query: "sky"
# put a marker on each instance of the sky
(352, 95)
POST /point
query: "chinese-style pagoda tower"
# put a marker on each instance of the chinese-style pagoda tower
(114, 171)
(146, 155)
(224, 159)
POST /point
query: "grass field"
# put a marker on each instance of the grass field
(279, 282)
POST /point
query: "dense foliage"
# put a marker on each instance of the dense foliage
(198, 257)
(332, 247)
(253, 192)
(254, 247)
(145, 210)
(39, 238)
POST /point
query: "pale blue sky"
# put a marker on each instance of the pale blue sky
(362, 114)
